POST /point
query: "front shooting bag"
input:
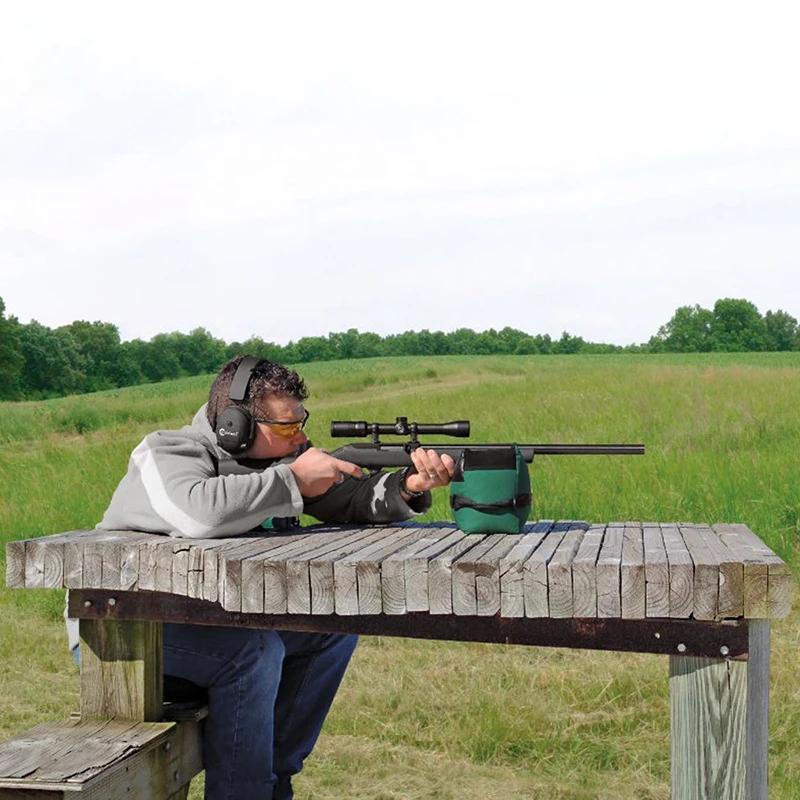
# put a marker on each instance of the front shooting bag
(491, 490)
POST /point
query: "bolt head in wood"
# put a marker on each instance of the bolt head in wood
(681, 648)
(724, 650)
(112, 601)
(87, 603)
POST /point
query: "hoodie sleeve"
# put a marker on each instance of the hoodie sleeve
(172, 487)
(371, 499)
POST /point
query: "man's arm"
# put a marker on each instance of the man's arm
(384, 497)
(371, 499)
(172, 487)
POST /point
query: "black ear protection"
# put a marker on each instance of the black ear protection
(235, 427)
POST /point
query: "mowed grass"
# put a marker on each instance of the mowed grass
(421, 719)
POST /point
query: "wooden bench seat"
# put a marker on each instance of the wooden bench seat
(105, 759)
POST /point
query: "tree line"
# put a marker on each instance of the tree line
(38, 362)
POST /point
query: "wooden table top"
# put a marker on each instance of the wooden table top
(561, 569)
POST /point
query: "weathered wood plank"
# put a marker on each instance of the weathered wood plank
(148, 551)
(463, 571)
(632, 573)
(321, 563)
(584, 572)
(44, 564)
(705, 594)
(196, 566)
(434, 594)
(252, 571)
(15, 564)
(559, 572)
(180, 567)
(730, 599)
(103, 760)
(393, 569)
(357, 575)
(719, 717)
(40, 754)
(534, 572)
(230, 568)
(656, 571)
(780, 583)
(369, 571)
(681, 573)
(708, 716)
(609, 571)
(487, 576)
(121, 669)
(320, 578)
(755, 594)
(512, 592)
(438, 595)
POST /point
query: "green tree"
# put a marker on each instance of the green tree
(689, 331)
(198, 352)
(11, 358)
(737, 326)
(782, 331)
(54, 364)
(106, 364)
(568, 344)
(160, 361)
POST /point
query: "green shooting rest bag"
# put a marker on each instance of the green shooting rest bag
(491, 490)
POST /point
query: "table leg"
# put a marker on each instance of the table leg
(121, 669)
(719, 713)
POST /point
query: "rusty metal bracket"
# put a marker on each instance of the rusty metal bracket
(728, 639)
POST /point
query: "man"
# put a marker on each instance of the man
(246, 463)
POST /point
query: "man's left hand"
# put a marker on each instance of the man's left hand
(433, 470)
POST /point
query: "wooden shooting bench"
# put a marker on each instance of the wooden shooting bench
(702, 596)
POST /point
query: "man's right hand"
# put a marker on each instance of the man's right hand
(316, 471)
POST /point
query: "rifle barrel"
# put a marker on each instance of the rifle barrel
(396, 455)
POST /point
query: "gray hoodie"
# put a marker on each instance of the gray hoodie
(180, 483)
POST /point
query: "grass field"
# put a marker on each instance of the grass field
(441, 720)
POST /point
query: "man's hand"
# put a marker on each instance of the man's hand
(316, 471)
(432, 470)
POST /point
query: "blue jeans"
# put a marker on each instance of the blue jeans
(268, 694)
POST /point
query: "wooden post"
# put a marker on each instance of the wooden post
(719, 711)
(121, 669)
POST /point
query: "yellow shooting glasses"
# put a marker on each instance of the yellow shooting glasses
(286, 429)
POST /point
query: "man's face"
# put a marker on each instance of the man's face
(268, 442)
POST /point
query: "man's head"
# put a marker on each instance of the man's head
(274, 395)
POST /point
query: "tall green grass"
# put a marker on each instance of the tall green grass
(430, 719)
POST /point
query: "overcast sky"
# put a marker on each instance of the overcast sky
(293, 169)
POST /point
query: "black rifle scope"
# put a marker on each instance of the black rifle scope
(402, 427)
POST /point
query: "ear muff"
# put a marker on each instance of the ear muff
(236, 427)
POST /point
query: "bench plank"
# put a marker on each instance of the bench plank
(681, 573)
(512, 590)
(393, 569)
(609, 603)
(584, 572)
(632, 573)
(705, 593)
(534, 572)
(559, 572)
(656, 571)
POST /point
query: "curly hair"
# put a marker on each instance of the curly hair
(268, 378)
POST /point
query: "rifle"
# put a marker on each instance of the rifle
(377, 455)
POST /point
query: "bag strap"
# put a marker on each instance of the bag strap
(459, 501)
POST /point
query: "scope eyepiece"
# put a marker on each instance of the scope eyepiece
(349, 429)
